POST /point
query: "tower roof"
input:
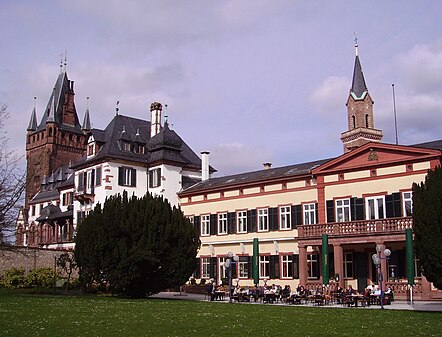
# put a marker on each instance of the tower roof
(33, 121)
(358, 86)
(86, 121)
(57, 100)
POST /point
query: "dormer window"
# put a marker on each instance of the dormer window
(126, 146)
(90, 149)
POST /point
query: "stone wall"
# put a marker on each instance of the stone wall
(29, 258)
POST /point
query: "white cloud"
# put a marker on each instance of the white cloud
(331, 95)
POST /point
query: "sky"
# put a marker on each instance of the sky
(251, 81)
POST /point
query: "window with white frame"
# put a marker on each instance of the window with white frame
(263, 219)
(285, 217)
(375, 207)
(243, 267)
(264, 266)
(309, 214)
(205, 267)
(222, 223)
(241, 220)
(205, 225)
(312, 265)
(127, 176)
(222, 269)
(155, 177)
(407, 199)
(343, 210)
(287, 266)
(348, 265)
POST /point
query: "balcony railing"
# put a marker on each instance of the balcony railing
(389, 225)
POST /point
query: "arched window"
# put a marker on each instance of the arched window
(50, 132)
(353, 119)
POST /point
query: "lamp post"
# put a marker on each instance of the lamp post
(382, 253)
(231, 262)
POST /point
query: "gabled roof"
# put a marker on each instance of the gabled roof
(62, 178)
(61, 88)
(165, 147)
(376, 154)
(248, 178)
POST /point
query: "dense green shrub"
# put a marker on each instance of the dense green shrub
(14, 278)
(41, 278)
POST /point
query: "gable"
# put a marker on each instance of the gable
(377, 155)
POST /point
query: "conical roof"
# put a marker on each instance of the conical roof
(358, 86)
(33, 121)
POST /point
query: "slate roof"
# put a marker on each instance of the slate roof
(61, 87)
(434, 145)
(358, 86)
(166, 146)
(256, 176)
(61, 178)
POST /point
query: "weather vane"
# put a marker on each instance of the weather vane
(356, 42)
(117, 108)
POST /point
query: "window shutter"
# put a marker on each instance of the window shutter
(251, 220)
(158, 173)
(212, 268)
(85, 180)
(274, 266)
(273, 219)
(98, 176)
(316, 213)
(357, 208)
(133, 177)
(197, 222)
(120, 176)
(330, 204)
(295, 266)
(296, 211)
(231, 223)
(197, 272)
(249, 267)
(393, 205)
(213, 224)
(80, 182)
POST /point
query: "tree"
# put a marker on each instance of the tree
(66, 261)
(427, 220)
(136, 246)
(12, 183)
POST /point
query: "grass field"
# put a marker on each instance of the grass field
(48, 315)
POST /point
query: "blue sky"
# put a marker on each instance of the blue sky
(250, 81)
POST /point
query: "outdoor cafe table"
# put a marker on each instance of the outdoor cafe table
(219, 295)
(357, 298)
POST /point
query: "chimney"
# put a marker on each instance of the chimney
(155, 118)
(267, 166)
(205, 165)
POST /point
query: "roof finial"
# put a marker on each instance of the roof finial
(61, 62)
(356, 43)
(165, 115)
(65, 60)
(35, 101)
(117, 108)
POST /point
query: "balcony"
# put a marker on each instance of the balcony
(354, 228)
(85, 195)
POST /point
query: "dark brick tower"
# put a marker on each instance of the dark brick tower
(57, 140)
(360, 112)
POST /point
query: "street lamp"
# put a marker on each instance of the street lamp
(377, 258)
(231, 262)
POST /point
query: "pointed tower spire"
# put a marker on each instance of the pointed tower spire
(360, 111)
(86, 120)
(33, 122)
(51, 112)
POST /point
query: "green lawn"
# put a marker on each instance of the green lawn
(47, 315)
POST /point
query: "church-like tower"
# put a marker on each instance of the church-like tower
(57, 140)
(360, 112)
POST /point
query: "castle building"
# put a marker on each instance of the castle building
(72, 167)
(275, 219)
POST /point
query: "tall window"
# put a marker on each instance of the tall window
(222, 269)
(285, 217)
(312, 265)
(263, 219)
(243, 267)
(309, 214)
(375, 207)
(127, 176)
(407, 198)
(155, 178)
(205, 267)
(222, 223)
(348, 265)
(264, 266)
(287, 266)
(343, 210)
(205, 225)
(241, 217)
